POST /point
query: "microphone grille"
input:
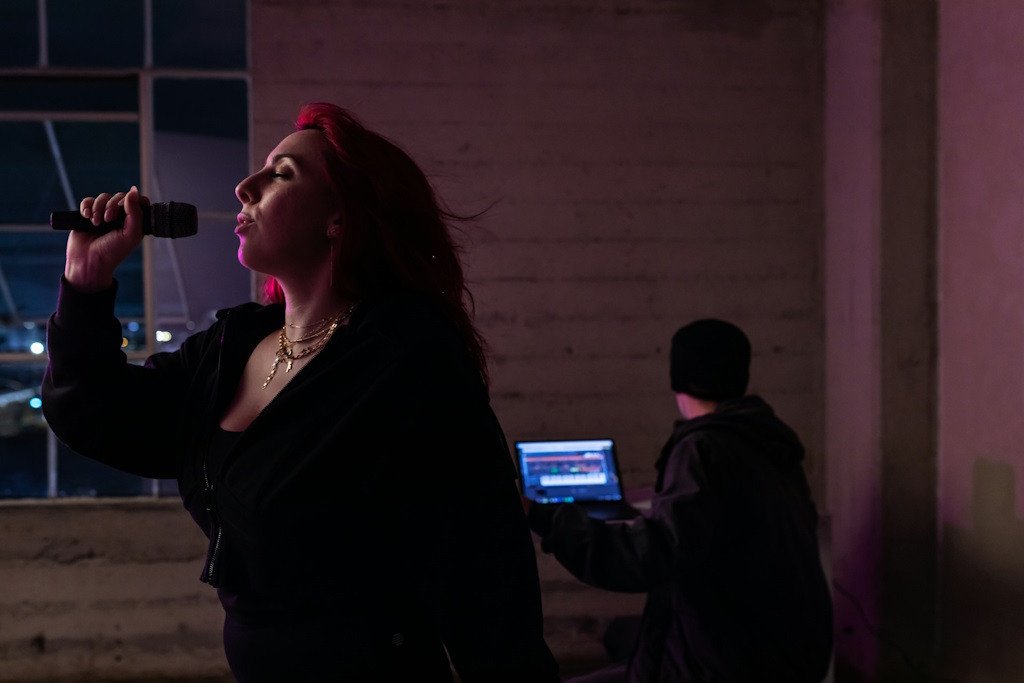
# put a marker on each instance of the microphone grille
(174, 219)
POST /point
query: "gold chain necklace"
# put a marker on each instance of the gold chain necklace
(318, 323)
(286, 347)
(320, 329)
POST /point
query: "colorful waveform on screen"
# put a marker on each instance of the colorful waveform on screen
(568, 469)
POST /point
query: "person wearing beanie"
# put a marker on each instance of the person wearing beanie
(728, 552)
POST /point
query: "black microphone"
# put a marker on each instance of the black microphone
(170, 219)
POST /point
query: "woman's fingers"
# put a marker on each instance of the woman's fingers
(106, 207)
(132, 207)
(99, 207)
(113, 208)
(85, 208)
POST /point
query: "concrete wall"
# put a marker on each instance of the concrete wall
(981, 364)
(110, 591)
(104, 591)
(648, 162)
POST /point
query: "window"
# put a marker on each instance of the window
(163, 104)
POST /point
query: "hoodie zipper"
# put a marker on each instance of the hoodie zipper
(218, 530)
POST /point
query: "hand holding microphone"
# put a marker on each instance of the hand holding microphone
(107, 228)
(170, 219)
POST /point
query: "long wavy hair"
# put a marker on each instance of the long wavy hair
(396, 233)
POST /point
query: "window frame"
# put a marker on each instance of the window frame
(146, 75)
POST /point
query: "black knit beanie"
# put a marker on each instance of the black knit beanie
(710, 360)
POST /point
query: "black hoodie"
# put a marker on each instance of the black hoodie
(728, 555)
(363, 524)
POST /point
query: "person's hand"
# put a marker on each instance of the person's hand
(92, 259)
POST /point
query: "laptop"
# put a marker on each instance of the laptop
(581, 471)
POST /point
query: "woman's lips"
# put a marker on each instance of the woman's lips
(243, 222)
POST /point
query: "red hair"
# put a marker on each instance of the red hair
(396, 233)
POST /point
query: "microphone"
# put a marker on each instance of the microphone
(169, 219)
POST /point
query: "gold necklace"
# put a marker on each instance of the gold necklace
(286, 347)
(320, 329)
(319, 322)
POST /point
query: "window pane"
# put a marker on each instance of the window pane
(19, 33)
(210, 107)
(23, 465)
(22, 432)
(80, 476)
(94, 158)
(201, 151)
(30, 268)
(130, 297)
(200, 169)
(30, 186)
(30, 93)
(75, 26)
(199, 34)
(98, 157)
(23, 445)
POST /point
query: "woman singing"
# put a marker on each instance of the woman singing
(336, 445)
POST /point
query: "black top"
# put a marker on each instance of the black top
(728, 555)
(221, 444)
(364, 522)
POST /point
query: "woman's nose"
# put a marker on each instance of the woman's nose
(245, 190)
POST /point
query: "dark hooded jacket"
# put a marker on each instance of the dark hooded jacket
(366, 521)
(728, 555)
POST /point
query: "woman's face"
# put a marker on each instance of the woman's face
(287, 209)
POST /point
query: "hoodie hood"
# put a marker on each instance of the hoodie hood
(748, 419)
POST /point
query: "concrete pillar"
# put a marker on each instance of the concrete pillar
(881, 332)
(909, 336)
(853, 421)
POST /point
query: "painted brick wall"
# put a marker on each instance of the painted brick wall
(648, 162)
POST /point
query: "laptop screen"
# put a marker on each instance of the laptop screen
(568, 471)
